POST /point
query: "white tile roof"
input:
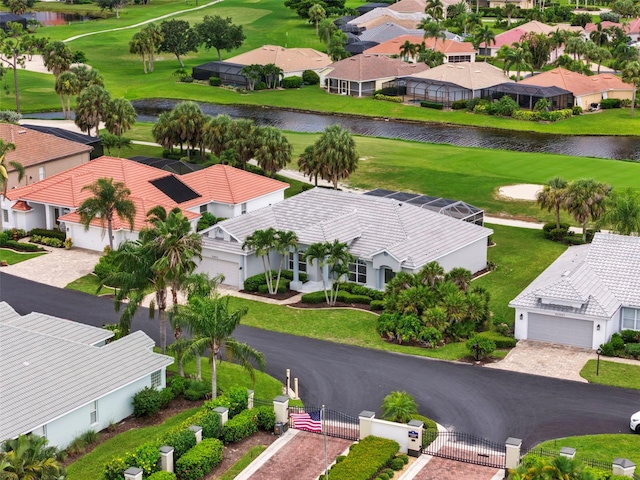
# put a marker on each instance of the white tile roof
(386, 12)
(411, 234)
(45, 376)
(600, 277)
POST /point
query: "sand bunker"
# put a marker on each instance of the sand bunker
(523, 191)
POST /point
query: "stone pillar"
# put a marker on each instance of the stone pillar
(568, 452)
(166, 459)
(623, 467)
(288, 381)
(197, 431)
(133, 473)
(512, 458)
(414, 448)
(250, 394)
(366, 419)
(295, 388)
(224, 414)
(281, 408)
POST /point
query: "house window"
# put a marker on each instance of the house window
(630, 319)
(203, 209)
(358, 272)
(40, 431)
(156, 379)
(388, 275)
(459, 58)
(243, 208)
(302, 264)
(5, 215)
(93, 412)
(41, 173)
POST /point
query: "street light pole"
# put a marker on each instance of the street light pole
(598, 351)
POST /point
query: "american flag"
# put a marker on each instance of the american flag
(311, 421)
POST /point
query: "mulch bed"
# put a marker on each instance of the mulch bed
(278, 296)
(235, 451)
(359, 306)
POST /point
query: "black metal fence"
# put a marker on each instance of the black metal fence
(259, 402)
(332, 422)
(464, 447)
(589, 462)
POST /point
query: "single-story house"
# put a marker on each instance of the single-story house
(61, 378)
(515, 35)
(631, 28)
(449, 82)
(367, 7)
(408, 6)
(221, 190)
(589, 293)
(524, 4)
(388, 31)
(385, 235)
(292, 61)
(527, 95)
(363, 74)
(94, 142)
(454, 52)
(584, 89)
(41, 154)
(380, 16)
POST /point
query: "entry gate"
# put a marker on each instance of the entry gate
(464, 447)
(325, 421)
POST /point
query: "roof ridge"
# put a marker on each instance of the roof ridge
(48, 335)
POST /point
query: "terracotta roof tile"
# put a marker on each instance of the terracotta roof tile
(534, 26)
(33, 147)
(22, 206)
(448, 47)
(288, 59)
(577, 83)
(365, 67)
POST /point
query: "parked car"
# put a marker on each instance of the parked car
(634, 424)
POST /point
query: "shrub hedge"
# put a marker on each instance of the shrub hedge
(197, 390)
(387, 98)
(459, 104)
(147, 402)
(200, 460)
(500, 341)
(292, 82)
(162, 476)
(483, 345)
(607, 103)
(178, 384)
(215, 81)
(265, 417)
(377, 305)
(23, 247)
(345, 297)
(252, 284)
(434, 105)
(240, 427)
(365, 459)
(62, 236)
(309, 77)
(181, 440)
(236, 399)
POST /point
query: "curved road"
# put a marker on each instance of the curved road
(491, 403)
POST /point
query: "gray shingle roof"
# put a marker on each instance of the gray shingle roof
(602, 277)
(45, 376)
(411, 234)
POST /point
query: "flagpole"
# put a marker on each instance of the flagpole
(324, 434)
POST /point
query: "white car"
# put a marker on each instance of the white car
(634, 424)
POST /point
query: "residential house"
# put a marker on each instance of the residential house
(61, 378)
(631, 27)
(41, 154)
(363, 74)
(390, 30)
(408, 6)
(221, 190)
(292, 61)
(524, 4)
(584, 89)
(589, 293)
(94, 142)
(450, 82)
(385, 235)
(515, 35)
(380, 16)
(454, 52)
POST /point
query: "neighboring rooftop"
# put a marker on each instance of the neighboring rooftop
(365, 67)
(534, 26)
(470, 75)
(448, 47)
(577, 83)
(288, 59)
(173, 166)
(380, 16)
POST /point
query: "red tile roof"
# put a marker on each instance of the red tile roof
(365, 67)
(33, 147)
(218, 183)
(22, 206)
(448, 47)
(577, 83)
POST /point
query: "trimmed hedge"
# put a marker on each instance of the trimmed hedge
(292, 82)
(182, 441)
(240, 427)
(459, 104)
(607, 103)
(265, 418)
(23, 247)
(252, 284)
(501, 341)
(377, 305)
(62, 236)
(345, 297)
(162, 476)
(387, 98)
(309, 77)
(437, 106)
(365, 459)
(215, 81)
(147, 402)
(200, 460)
(236, 399)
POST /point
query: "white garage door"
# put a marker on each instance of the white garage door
(567, 331)
(230, 270)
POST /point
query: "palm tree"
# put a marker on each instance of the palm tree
(408, 50)
(575, 46)
(552, 196)
(91, 108)
(517, 56)
(262, 242)
(57, 57)
(631, 74)
(244, 140)
(585, 200)
(152, 38)
(335, 256)
(337, 154)
(120, 116)
(557, 468)
(509, 10)
(108, 198)
(212, 323)
(163, 131)
(431, 274)
(435, 9)
(600, 55)
(325, 29)
(28, 458)
(272, 74)
(5, 148)
(309, 164)
(113, 141)
(273, 152)
(399, 407)
(557, 38)
(434, 30)
(622, 213)
(87, 76)
(137, 46)
(188, 121)
(253, 74)
(460, 277)
(67, 85)
(430, 57)
(599, 36)
(316, 14)
(335, 47)
(285, 242)
(216, 134)
(484, 35)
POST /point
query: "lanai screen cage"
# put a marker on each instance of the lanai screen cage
(229, 73)
(445, 206)
(527, 95)
(426, 89)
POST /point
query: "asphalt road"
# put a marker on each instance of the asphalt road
(491, 403)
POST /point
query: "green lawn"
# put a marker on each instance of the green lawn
(243, 463)
(612, 373)
(89, 284)
(12, 257)
(602, 448)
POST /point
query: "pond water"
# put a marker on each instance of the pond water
(55, 18)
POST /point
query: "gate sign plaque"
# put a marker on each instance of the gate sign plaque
(413, 434)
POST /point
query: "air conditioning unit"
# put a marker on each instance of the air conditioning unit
(280, 428)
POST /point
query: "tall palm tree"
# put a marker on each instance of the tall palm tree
(273, 151)
(337, 154)
(622, 213)
(109, 198)
(272, 74)
(87, 76)
(28, 458)
(399, 407)
(631, 74)
(244, 140)
(67, 85)
(163, 131)
(460, 277)
(5, 148)
(309, 164)
(600, 55)
(152, 38)
(435, 9)
(585, 201)
(285, 242)
(557, 38)
(484, 35)
(91, 108)
(434, 30)
(263, 242)
(188, 122)
(120, 116)
(517, 56)
(325, 29)
(137, 46)
(552, 196)
(599, 36)
(408, 51)
(212, 323)
(57, 57)
(316, 14)
(336, 257)
(216, 134)
(253, 74)
(431, 274)
(509, 10)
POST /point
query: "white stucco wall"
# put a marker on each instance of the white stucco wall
(96, 238)
(392, 431)
(472, 257)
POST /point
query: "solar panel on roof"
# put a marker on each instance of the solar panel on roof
(174, 189)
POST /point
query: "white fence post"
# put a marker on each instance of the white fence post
(224, 414)
(133, 473)
(281, 409)
(623, 467)
(366, 419)
(512, 457)
(166, 459)
(250, 394)
(198, 432)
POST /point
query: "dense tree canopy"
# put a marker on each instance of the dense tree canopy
(219, 33)
(178, 38)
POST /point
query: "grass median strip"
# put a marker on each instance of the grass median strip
(243, 463)
(603, 448)
(614, 374)
(12, 257)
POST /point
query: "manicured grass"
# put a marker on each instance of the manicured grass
(92, 464)
(89, 284)
(12, 257)
(243, 463)
(613, 374)
(602, 448)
